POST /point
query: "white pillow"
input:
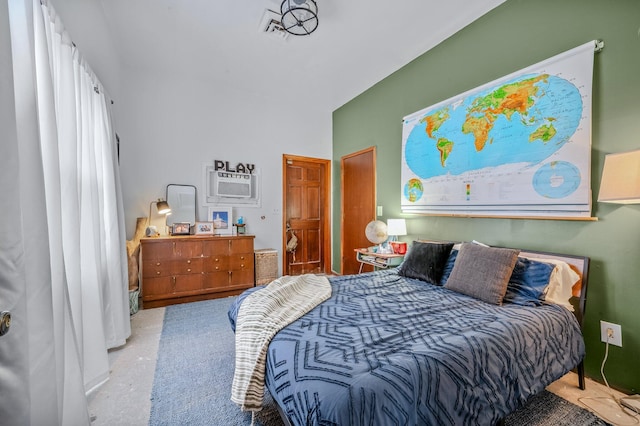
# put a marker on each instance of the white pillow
(480, 244)
(561, 281)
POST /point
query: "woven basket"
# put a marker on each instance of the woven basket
(266, 265)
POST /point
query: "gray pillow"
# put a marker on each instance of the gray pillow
(425, 261)
(482, 272)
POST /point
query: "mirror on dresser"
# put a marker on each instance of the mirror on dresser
(182, 199)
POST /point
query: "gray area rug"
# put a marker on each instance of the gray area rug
(194, 371)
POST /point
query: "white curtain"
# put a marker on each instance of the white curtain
(63, 241)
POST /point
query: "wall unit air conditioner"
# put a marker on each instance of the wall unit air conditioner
(231, 188)
(231, 184)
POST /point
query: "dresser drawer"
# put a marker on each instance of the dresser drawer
(215, 247)
(157, 250)
(178, 249)
(187, 249)
(242, 277)
(217, 281)
(169, 287)
(161, 268)
(154, 287)
(241, 261)
(187, 284)
(215, 263)
(227, 245)
(242, 246)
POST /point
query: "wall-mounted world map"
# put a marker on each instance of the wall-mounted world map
(518, 146)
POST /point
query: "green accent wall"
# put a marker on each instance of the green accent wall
(513, 36)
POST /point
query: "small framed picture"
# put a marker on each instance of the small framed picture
(204, 228)
(180, 228)
(222, 220)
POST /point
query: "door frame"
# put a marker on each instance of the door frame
(326, 209)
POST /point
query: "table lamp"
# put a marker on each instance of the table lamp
(164, 209)
(396, 227)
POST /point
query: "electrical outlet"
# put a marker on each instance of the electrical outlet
(611, 332)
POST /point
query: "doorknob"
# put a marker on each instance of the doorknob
(5, 322)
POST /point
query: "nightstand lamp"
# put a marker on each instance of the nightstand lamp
(164, 209)
(395, 228)
(620, 182)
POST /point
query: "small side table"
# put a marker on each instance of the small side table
(377, 260)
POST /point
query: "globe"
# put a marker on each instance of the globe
(376, 231)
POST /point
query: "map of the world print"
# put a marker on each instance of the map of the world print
(517, 146)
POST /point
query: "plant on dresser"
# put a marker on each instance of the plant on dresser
(192, 268)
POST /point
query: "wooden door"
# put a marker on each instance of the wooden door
(306, 206)
(358, 188)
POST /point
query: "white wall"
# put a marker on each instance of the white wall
(84, 21)
(173, 124)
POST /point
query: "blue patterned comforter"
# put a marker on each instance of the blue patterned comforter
(389, 350)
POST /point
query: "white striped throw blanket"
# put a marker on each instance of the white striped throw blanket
(261, 315)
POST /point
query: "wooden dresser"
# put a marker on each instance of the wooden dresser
(190, 268)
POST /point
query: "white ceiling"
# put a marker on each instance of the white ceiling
(357, 43)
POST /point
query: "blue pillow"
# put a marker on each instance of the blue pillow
(448, 266)
(528, 281)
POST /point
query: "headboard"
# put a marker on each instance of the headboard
(580, 264)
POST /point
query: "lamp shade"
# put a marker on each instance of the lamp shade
(620, 181)
(396, 227)
(163, 207)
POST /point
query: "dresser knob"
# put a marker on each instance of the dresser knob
(241, 257)
(157, 272)
(189, 270)
(189, 261)
(157, 263)
(217, 268)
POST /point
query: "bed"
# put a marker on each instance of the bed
(421, 344)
